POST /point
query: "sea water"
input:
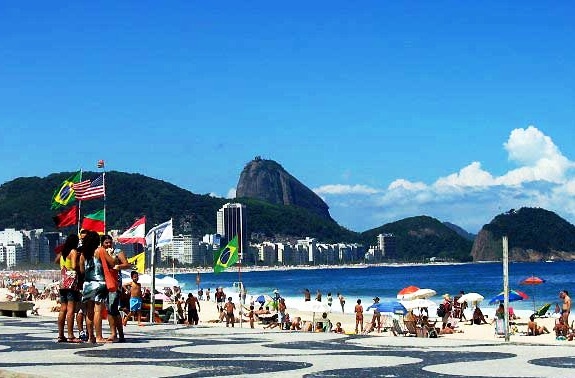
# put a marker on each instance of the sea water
(385, 281)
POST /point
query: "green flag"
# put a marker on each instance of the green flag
(227, 256)
(65, 192)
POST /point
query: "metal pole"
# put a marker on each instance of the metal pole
(153, 270)
(506, 286)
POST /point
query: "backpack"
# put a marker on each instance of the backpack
(441, 310)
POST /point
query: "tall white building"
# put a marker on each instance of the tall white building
(12, 245)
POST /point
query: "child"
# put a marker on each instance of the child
(338, 328)
(251, 316)
(135, 298)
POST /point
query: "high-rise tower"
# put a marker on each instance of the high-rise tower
(232, 221)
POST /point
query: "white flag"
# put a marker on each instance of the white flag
(164, 234)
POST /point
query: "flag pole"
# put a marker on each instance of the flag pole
(79, 208)
(153, 270)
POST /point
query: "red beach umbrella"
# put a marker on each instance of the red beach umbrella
(407, 290)
(533, 281)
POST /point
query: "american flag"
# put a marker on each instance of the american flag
(95, 189)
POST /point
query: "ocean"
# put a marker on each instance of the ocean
(385, 281)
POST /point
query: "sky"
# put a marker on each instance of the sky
(387, 110)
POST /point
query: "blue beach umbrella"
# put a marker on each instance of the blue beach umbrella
(393, 307)
(514, 295)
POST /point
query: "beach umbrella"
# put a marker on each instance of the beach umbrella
(418, 303)
(533, 281)
(406, 291)
(420, 294)
(514, 295)
(313, 307)
(263, 299)
(393, 307)
(470, 297)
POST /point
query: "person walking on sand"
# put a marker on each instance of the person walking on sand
(135, 289)
(329, 299)
(358, 316)
(341, 302)
(190, 307)
(318, 296)
(229, 308)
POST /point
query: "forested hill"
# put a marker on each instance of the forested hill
(25, 204)
(423, 237)
(534, 234)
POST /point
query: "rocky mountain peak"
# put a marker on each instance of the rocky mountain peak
(268, 181)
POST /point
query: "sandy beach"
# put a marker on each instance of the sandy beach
(209, 315)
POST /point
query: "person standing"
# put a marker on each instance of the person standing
(306, 295)
(341, 302)
(208, 294)
(229, 308)
(69, 294)
(566, 308)
(358, 316)
(329, 299)
(116, 261)
(376, 314)
(135, 298)
(94, 291)
(447, 309)
(190, 307)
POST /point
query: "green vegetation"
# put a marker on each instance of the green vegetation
(25, 204)
(533, 228)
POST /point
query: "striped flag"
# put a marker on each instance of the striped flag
(95, 189)
(135, 234)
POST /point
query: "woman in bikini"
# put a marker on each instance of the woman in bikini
(358, 316)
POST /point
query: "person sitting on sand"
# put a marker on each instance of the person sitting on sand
(296, 324)
(478, 317)
(533, 329)
(338, 328)
(561, 329)
(449, 329)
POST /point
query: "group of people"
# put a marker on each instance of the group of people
(90, 285)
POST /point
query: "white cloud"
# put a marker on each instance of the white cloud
(231, 193)
(543, 177)
(339, 189)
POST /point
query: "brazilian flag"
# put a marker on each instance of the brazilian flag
(65, 192)
(227, 256)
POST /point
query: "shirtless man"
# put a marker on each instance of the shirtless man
(533, 329)
(229, 308)
(566, 308)
(190, 306)
(135, 289)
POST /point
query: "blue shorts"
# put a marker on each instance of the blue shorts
(135, 304)
(68, 295)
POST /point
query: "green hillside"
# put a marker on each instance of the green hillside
(423, 237)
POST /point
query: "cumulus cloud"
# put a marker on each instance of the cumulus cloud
(470, 197)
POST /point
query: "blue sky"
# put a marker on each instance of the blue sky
(387, 110)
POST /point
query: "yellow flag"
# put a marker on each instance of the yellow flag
(139, 261)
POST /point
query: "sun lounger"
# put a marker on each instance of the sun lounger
(542, 311)
(500, 327)
(411, 327)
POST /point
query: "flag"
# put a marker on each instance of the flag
(100, 164)
(135, 234)
(95, 222)
(164, 234)
(227, 256)
(139, 261)
(96, 189)
(67, 218)
(65, 192)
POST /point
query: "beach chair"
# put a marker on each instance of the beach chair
(412, 328)
(397, 329)
(500, 327)
(542, 311)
